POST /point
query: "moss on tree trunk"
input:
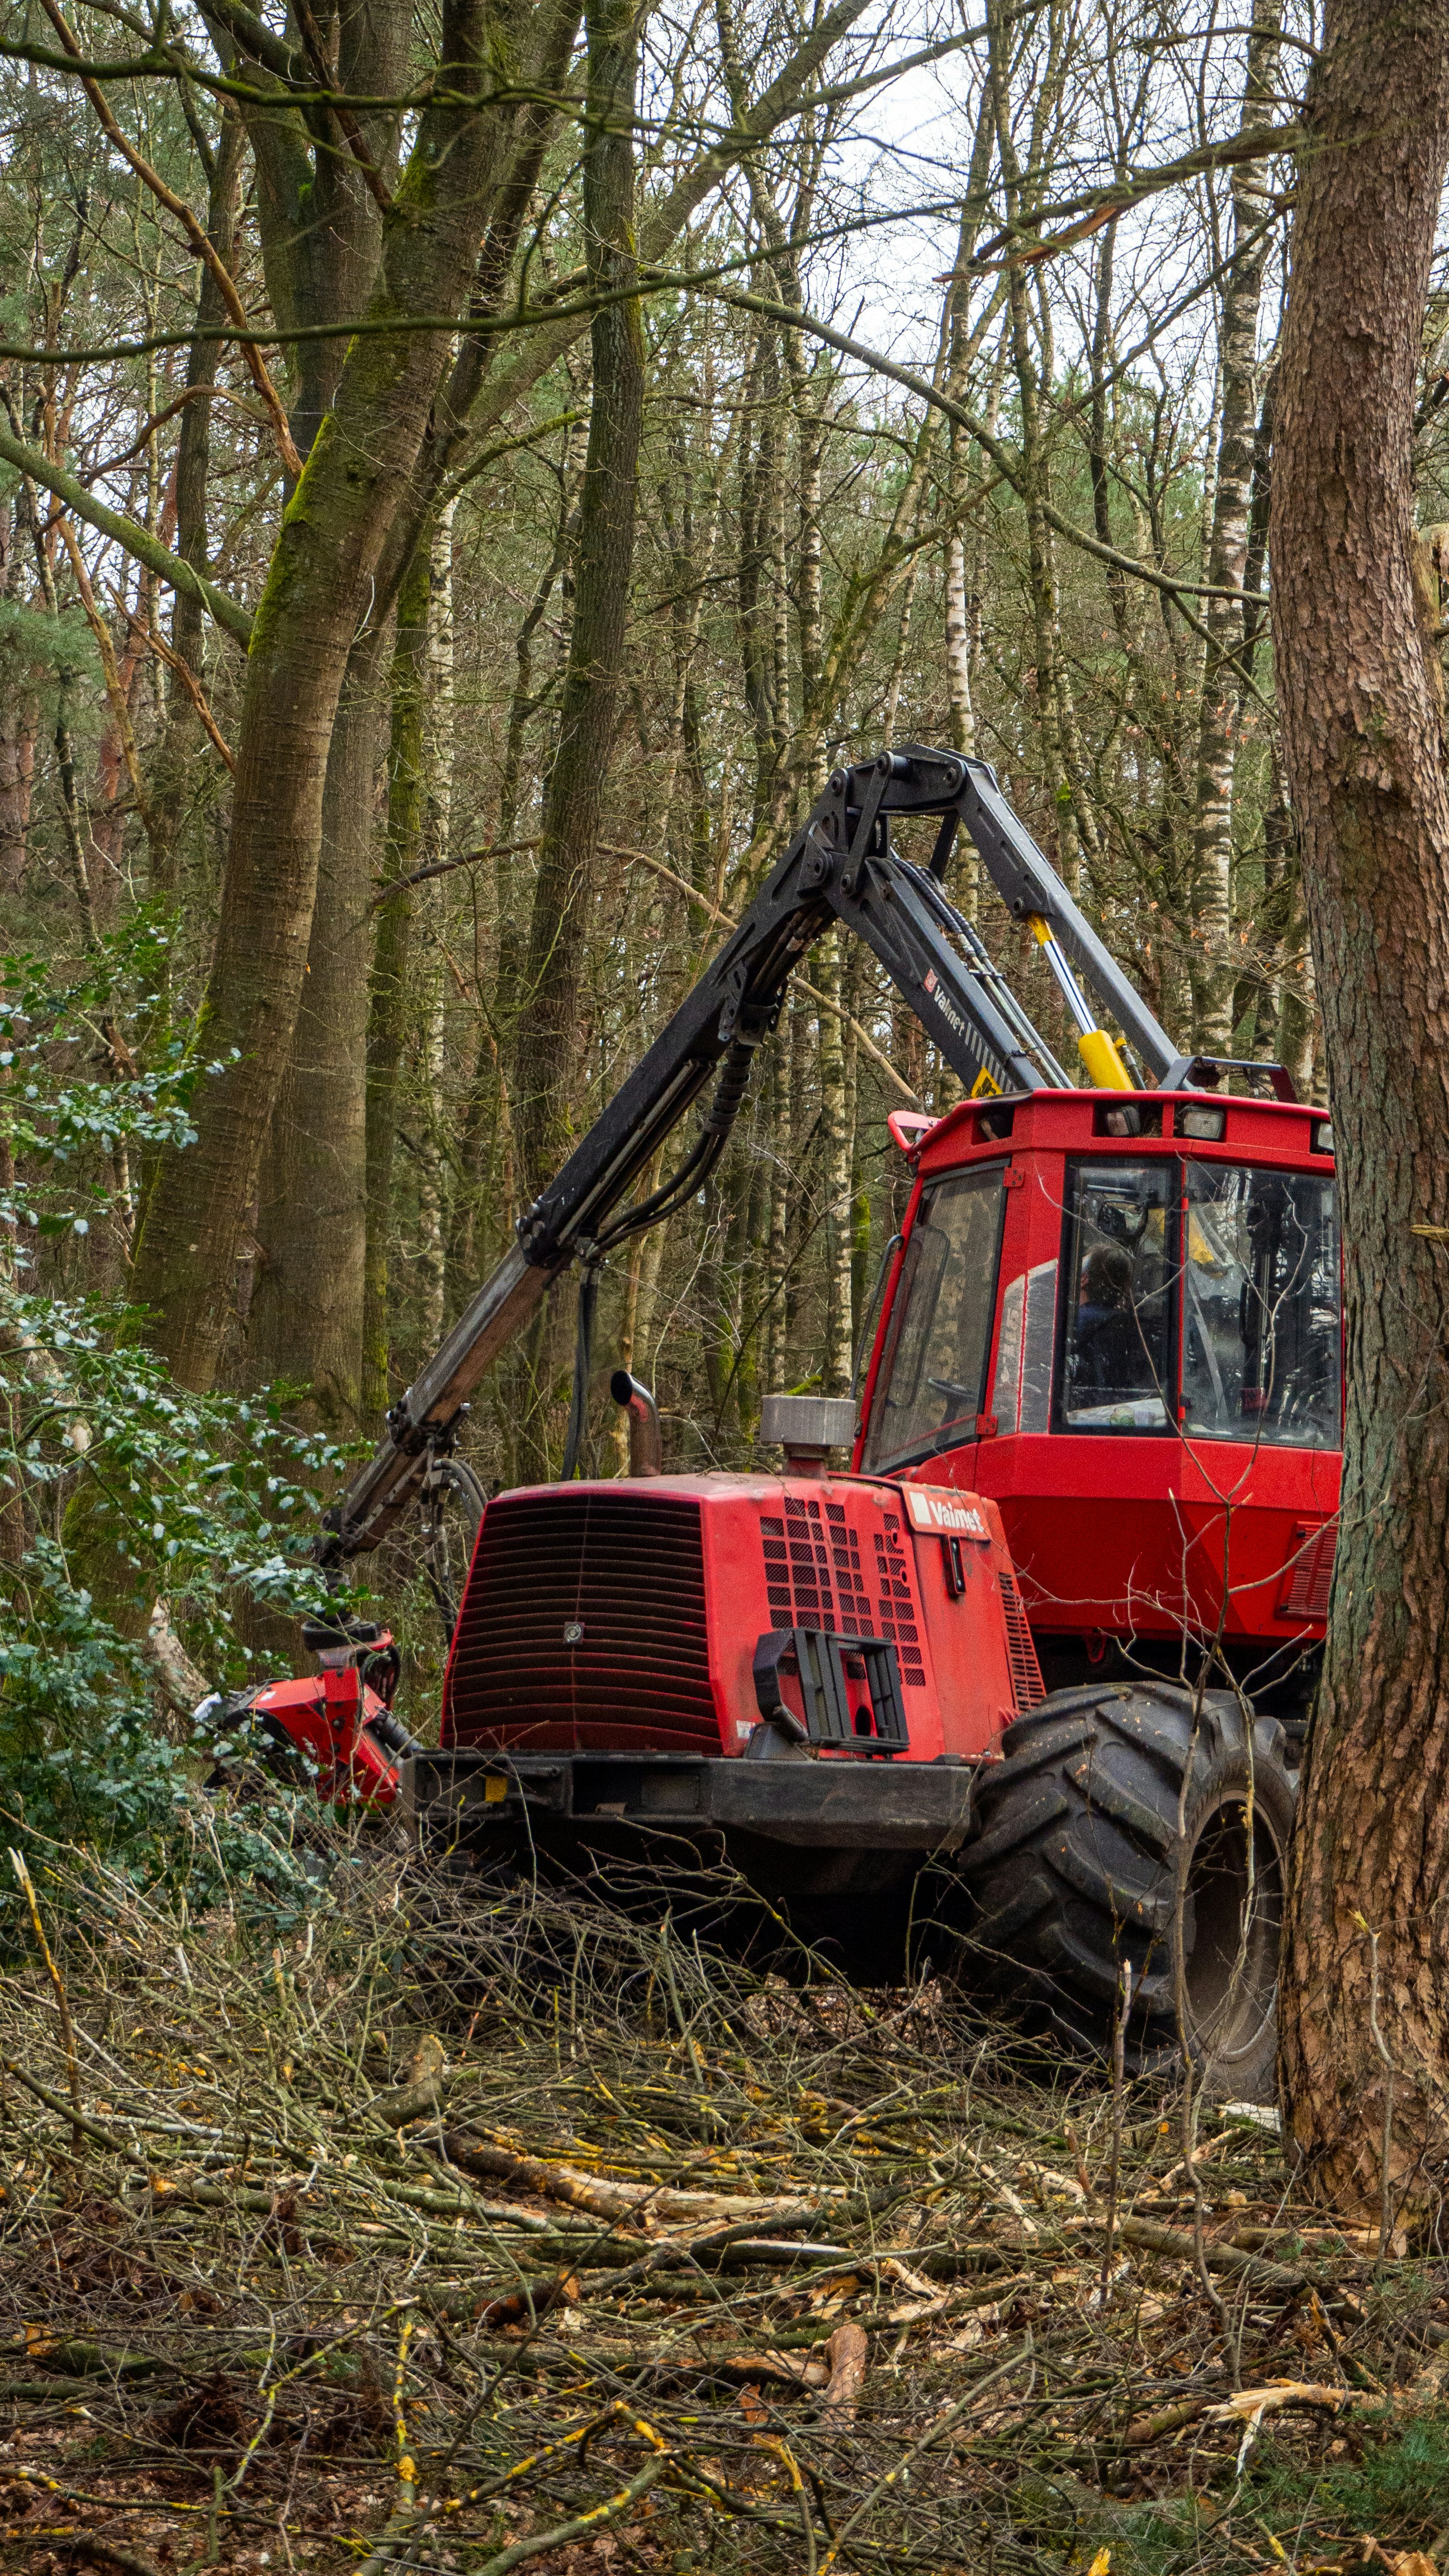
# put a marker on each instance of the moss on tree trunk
(319, 588)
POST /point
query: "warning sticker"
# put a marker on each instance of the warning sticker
(936, 1508)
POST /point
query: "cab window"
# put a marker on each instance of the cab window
(931, 1383)
(1261, 1339)
(1117, 1348)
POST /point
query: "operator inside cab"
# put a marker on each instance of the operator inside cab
(1117, 1339)
(1109, 1344)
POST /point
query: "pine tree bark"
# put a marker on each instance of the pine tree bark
(1367, 770)
(548, 1048)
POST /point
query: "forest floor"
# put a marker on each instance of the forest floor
(445, 2233)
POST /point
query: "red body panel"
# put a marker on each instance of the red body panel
(625, 1615)
(326, 1716)
(1119, 1534)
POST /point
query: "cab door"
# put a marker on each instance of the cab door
(928, 1391)
(1260, 1408)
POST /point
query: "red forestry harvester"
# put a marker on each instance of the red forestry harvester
(1097, 1439)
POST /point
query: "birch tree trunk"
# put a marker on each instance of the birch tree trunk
(1214, 965)
(958, 648)
(836, 1156)
(1366, 763)
(1032, 486)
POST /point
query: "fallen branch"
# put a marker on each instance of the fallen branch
(847, 2353)
(107, 2553)
(1219, 2258)
(600, 2196)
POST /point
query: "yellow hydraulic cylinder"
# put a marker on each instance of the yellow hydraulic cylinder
(1097, 1050)
(1099, 1054)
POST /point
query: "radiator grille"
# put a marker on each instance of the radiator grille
(627, 1572)
(1309, 1578)
(895, 1600)
(813, 1576)
(817, 1575)
(1026, 1681)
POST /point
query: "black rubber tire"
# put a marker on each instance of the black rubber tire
(1075, 1870)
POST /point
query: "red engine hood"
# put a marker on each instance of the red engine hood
(625, 1615)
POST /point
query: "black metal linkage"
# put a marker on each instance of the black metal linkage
(839, 865)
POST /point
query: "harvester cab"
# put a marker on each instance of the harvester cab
(1131, 1342)
(1098, 1433)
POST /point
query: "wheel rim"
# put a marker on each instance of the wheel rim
(1236, 1915)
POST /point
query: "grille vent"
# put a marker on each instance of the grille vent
(896, 1613)
(1027, 1685)
(1306, 1586)
(626, 1571)
(817, 1575)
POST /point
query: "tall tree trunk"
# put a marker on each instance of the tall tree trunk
(321, 232)
(479, 394)
(433, 1161)
(19, 720)
(958, 647)
(1367, 770)
(317, 594)
(1033, 484)
(319, 222)
(486, 1158)
(1213, 961)
(778, 1143)
(183, 737)
(836, 1141)
(548, 1046)
(392, 957)
(761, 474)
(305, 1318)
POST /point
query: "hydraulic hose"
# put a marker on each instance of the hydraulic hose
(698, 1163)
(702, 1157)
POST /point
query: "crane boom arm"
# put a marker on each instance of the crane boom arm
(840, 865)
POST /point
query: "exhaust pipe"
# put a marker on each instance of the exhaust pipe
(646, 1443)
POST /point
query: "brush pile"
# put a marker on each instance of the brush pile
(470, 2231)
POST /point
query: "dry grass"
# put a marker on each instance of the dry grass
(254, 2315)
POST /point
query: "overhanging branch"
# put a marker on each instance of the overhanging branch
(128, 533)
(1097, 206)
